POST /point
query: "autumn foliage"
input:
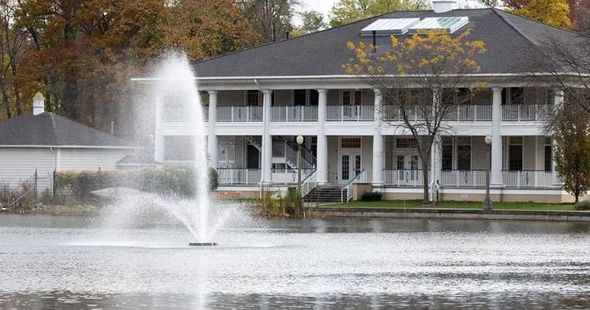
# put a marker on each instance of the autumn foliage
(422, 77)
(81, 54)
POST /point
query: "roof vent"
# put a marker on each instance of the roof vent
(441, 6)
(446, 24)
(389, 26)
(38, 104)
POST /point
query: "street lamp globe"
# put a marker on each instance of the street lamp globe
(488, 139)
(299, 139)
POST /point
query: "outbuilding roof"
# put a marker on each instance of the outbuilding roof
(512, 44)
(49, 129)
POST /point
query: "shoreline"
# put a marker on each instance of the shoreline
(449, 214)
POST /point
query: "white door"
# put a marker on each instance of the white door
(350, 165)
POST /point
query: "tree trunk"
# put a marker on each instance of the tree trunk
(5, 101)
(425, 198)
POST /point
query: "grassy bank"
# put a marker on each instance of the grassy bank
(531, 206)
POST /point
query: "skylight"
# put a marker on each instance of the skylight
(449, 24)
(389, 26)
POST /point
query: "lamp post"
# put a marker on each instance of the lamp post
(487, 203)
(299, 143)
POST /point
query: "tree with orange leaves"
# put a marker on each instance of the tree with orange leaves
(422, 78)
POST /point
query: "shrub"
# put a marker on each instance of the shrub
(372, 196)
(213, 179)
(583, 205)
(172, 180)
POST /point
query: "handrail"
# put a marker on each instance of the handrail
(308, 184)
(348, 187)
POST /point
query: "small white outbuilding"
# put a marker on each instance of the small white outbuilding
(44, 143)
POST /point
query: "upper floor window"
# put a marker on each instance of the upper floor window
(352, 97)
(299, 97)
(253, 97)
(314, 97)
(513, 95)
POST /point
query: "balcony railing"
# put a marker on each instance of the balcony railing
(239, 176)
(239, 114)
(181, 114)
(403, 178)
(350, 113)
(527, 179)
(525, 112)
(472, 112)
(294, 114)
(463, 178)
(244, 176)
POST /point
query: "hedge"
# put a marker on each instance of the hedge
(164, 179)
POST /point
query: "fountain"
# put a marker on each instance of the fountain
(176, 85)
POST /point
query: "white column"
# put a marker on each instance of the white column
(322, 164)
(158, 137)
(266, 138)
(212, 136)
(378, 141)
(557, 102)
(496, 171)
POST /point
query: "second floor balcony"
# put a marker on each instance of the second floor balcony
(360, 113)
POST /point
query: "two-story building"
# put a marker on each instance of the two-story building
(258, 100)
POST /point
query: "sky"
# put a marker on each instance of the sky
(324, 6)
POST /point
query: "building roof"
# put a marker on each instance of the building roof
(49, 129)
(512, 44)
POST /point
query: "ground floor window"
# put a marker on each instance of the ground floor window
(345, 167)
(447, 153)
(464, 153)
(548, 155)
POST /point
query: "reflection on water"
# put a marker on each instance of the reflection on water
(68, 263)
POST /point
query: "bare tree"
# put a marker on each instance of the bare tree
(422, 78)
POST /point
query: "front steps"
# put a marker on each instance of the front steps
(324, 193)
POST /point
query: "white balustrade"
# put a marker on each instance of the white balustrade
(463, 178)
(239, 114)
(350, 113)
(294, 114)
(525, 112)
(528, 179)
(238, 176)
(403, 178)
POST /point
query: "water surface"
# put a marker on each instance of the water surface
(69, 263)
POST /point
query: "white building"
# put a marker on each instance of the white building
(43, 143)
(260, 99)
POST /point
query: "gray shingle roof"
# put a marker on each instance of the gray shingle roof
(512, 42)
(49, 129)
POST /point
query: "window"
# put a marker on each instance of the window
(352, 97)
(179, 148)
(345, 167)
(515, 154)
(351, 143)
(516, 95)
(346, 99)
(314, 97)
(357, 165)
(299, 96)
(548, 155)
(447, 153)
(358, 97)
(405, 143)
(464, 153)
(400, 162)
(253, 97)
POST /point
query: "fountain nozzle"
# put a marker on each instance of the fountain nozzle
(203, 244)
